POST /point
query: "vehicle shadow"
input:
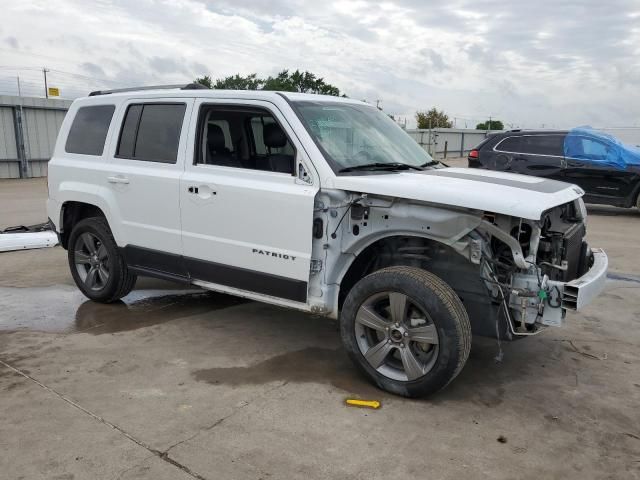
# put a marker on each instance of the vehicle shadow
(483, 380)
(319, 358)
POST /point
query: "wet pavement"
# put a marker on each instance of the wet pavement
(64, 309)
(181, 384)
(193, 384)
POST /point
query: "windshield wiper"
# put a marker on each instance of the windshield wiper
(380, 166)
(429, 164)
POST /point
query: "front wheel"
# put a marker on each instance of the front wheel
(406, 330)
(97, 267)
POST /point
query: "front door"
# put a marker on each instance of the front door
(143, 182)
(246, 217)
(595, 166)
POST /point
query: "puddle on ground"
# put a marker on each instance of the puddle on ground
(309, 365)
(64, 309)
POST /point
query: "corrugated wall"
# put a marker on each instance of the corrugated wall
(41, 120)
(9, 167)
(455, 142)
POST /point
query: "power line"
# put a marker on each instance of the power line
(64, 72)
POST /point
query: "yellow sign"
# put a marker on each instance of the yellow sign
(54, 92)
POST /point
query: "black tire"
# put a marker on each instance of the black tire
(444, 314)
(119, 280)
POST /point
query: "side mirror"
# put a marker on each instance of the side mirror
(303, 175)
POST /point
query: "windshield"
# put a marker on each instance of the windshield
(352, 135)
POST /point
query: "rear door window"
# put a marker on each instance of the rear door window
(129, 130)
(89, 129)
(151, 132)
(543, 145)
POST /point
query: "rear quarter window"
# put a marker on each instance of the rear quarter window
(89, 129)
(509, 144)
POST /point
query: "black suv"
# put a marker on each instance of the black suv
(607, 170)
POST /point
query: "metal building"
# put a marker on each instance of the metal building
(448, 142)
(28, 130)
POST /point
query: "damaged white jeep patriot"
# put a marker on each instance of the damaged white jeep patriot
(321, 204)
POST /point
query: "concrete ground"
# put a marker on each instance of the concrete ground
(175, 384)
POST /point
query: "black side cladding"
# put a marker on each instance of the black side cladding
(154, 263)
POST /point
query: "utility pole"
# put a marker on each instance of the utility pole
(489, 124)
(19, 91)
(46, 87)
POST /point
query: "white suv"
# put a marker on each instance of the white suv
(321, 204)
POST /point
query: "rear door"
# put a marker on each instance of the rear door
(143, 180)
(541, 155)
(246, 221)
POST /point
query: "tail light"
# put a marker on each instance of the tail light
(473, 153)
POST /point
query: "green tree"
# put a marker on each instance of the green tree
(490, 125)
(238, 82)
(206, 81)
(303, 82)
(433, 118)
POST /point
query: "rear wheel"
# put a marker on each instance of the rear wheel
(406, 330)
(97, 267)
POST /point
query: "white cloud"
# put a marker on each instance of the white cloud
(557, 63)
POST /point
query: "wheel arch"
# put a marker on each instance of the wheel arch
(87, 198)
(437, 257)
(71, 213)
(393, 249)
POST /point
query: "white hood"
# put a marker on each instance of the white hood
(507, 193)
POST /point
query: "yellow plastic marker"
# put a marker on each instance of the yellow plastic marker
(363, 403)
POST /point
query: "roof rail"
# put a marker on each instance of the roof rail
(189, 86)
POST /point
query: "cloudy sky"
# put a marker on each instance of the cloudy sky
(557, 63)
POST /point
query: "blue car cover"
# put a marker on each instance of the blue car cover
(592, 146)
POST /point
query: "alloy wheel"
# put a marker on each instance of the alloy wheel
(396, 336)
(92, 261)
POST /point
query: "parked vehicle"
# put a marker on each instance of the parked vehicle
(320, 204)
(606, 169)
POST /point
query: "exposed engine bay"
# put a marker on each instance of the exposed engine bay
(527, 272)
(514, 275)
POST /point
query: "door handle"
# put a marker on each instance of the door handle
(117, 179)
(203, 191)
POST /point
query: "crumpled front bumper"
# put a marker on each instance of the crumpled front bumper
(580, 292)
